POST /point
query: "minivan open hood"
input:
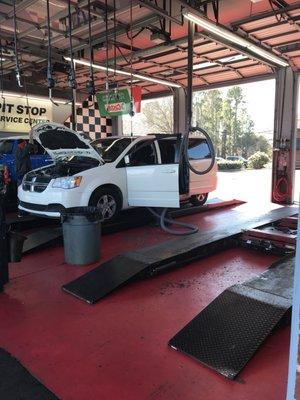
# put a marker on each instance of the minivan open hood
(60, 141)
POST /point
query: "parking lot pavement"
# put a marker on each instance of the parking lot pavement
(249, 185)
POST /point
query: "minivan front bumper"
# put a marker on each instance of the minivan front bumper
(50, 210)
(51, 202)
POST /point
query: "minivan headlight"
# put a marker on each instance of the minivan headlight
(69, 182)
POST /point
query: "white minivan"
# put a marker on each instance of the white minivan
(112, 173)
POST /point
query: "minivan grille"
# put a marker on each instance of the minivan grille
(35, 184)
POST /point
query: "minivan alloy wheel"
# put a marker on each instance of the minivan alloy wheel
(107, 206)
(200, 197)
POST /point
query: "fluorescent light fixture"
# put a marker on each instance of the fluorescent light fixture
(2, 59)
(232, 37)
(204, 65)
(23, 96)
(126, 73)
(237, 57)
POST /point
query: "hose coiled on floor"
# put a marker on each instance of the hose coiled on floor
(163, 220)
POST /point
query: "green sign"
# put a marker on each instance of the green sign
(114, 102)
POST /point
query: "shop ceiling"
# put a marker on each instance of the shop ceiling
(158, 47)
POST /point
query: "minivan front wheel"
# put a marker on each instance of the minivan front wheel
(199, 199)
(107, 201)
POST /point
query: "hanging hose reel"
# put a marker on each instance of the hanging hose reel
(90, 85)
(18, 67)
(2, 79)
(50, 72)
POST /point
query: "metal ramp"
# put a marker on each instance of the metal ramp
(40, 238)
(227, 333)
(99, 282)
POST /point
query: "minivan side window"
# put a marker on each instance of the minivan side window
(198, 149)
(168, 150)
(143, 153)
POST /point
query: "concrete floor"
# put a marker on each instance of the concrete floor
(253, 186)
(117, 349)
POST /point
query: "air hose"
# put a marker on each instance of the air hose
(163, 219)
(211, 149)
(18, 67)
(90, 85)
(183, 163)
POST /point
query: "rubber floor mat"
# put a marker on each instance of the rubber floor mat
(40, 238)
(227, 333)
(97, 283)
(17, 383)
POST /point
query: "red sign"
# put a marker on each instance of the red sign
(136, 92)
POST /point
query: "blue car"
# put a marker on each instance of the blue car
(8, 148)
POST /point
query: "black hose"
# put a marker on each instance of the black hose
(164, 220)
(2, 79)
(50, 79)
(72, 76)
(185, 166)
(1, 70)
(211, 148)
(90, 85)
(18, 69)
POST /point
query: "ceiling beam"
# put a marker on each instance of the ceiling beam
(121, 30)
(34, 49)
(160, 11)
(274, 25)
(19, 7)
(289, 48)
(232, 44)
(154, 50)
(265, 14)
(241, 81)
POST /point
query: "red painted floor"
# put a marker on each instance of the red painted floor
(117, 349)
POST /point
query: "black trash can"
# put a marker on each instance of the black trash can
(82, 235)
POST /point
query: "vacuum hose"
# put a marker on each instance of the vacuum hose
(183, 162)
(210, 146)
(167, 220)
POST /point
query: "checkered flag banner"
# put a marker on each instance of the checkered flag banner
(89, 121)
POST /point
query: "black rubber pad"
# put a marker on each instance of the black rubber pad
(17, 383)
(40, 238)
(226, 334)
(97, 283)
(278, 279)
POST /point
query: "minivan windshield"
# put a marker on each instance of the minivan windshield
(110, 148)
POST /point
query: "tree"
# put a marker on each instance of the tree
(159, 115)
(262, 144)
(247, 138)
(207, 112)
(234, 116)
(225, 119)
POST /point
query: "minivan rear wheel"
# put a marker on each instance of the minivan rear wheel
(199, 199)
(108, 202)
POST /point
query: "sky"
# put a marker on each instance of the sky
(260, 98)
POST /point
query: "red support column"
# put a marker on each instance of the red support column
(284, 145)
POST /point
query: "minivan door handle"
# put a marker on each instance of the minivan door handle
(169, 171)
